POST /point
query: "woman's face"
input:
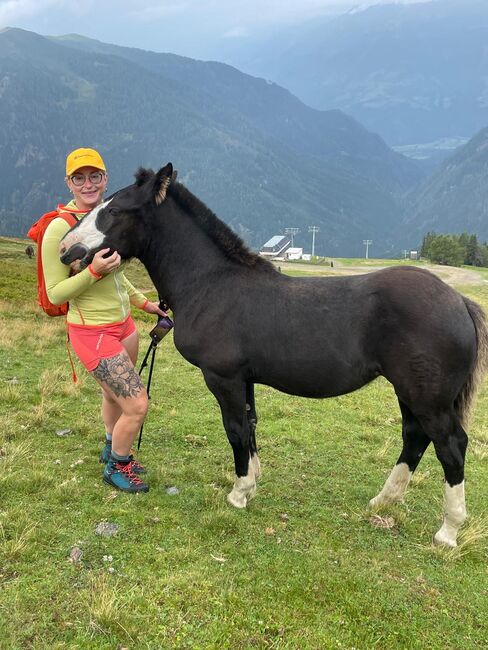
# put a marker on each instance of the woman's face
(87, 185)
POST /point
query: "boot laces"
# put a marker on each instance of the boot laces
(135, 464)
(127, 470)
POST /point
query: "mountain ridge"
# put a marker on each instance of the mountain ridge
(414, 73)
(258, 181)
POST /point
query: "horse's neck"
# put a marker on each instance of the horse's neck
(180, 257)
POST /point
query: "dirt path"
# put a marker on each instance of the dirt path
(450, 274)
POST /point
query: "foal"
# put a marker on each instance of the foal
(241, 322)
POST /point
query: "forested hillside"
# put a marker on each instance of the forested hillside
(257, 156)
(455, 198)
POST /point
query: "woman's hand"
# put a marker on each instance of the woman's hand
(153, 308)
(105, 265)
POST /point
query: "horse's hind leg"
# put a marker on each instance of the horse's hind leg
(415, 442)
(231, 396)
(450, 443)
(252, 420)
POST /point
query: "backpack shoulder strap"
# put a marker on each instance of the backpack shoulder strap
(41, 224)
(37, 230)
(69, 217)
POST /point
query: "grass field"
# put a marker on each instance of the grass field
(306, 566)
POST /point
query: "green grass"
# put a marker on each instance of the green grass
(302, 567)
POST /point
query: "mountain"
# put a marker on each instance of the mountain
(330, 136)
(255, 154)
(454, 199)
(414, 73)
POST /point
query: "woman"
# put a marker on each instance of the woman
(100, 327)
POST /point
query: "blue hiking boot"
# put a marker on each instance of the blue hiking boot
(122, 476)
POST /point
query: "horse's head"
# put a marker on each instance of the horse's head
(121, 222)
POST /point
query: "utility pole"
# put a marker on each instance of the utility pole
(404, 251)
(367, 243)
(313, 230)
(292, 232)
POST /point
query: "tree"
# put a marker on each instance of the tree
(463, 240)
(472, 251)
(483, 255)
(446, 249)
(426, 242)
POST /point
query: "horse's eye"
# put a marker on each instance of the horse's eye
(114, 211)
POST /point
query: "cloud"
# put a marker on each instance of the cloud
(187, 27)
(12, 11)
(236, 32)
(144, 11)
(154, 11)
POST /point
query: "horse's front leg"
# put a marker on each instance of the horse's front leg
(252, 419)
(231, 396)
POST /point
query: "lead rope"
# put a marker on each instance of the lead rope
(155, 339)
(152, 346)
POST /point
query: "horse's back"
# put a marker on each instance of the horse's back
(334, 334)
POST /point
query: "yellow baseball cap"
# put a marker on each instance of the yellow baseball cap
(83, 158)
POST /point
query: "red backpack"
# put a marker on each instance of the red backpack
(36, 233)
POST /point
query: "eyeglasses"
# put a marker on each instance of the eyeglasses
(79, 180)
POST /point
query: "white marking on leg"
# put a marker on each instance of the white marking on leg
(243, 490)
(394, 487)
(256, 465)
(454, 515)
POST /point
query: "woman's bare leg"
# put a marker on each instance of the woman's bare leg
(120, 381)
(111, 410)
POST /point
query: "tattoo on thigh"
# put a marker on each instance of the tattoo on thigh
(119, 375)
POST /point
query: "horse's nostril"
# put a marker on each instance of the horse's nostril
(76, 252)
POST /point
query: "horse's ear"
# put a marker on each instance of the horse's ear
(161, 182)
(174, 176)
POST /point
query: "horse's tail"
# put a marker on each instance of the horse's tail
(465, 399)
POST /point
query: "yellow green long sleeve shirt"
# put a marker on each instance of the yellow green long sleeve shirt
(91, 301)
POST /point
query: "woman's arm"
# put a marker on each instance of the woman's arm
(139, 300)
(60, 287)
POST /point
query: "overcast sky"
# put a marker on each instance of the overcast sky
(189, 27)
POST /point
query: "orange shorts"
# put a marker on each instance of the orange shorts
(94, 342)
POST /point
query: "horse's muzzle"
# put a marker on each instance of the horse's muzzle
(75, 252)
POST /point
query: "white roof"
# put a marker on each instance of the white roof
(274, 241)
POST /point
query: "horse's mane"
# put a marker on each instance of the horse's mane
(227, 241)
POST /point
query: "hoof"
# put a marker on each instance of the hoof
(237, 500)
(243, 490)
(379, 501)
(441, 539)
(376, 502)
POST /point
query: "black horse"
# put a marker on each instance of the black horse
(241, 322)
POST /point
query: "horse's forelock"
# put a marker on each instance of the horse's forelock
(142, 175)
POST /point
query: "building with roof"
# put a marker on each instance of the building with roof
(275, 247)
(293, 253)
